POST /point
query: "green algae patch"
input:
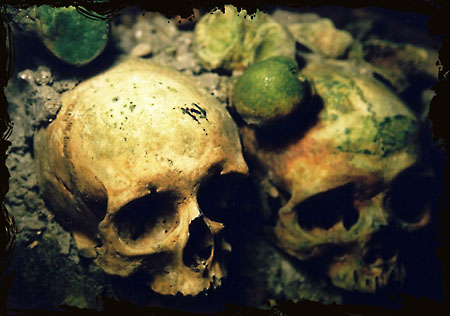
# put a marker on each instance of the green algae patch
(383, 138)
(70, 36)
(269, 90)
(336, 92)
(396, 133)
(360, 139)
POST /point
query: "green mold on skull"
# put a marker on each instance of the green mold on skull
(235, 40)
(269, 90)
(396, 133)
(333, 180)
(379, 138)
(70, 36)
(360, 115)
(360, 139)
(337, 96)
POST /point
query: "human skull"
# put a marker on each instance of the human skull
(341, 175)
(123, 168)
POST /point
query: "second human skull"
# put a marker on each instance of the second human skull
(341, 176)
(126, 167)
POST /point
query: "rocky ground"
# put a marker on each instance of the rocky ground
(49, 271)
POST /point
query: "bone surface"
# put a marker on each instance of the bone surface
(121, 167)
(331, 173)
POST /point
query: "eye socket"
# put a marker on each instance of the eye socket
(325, 209)
(409, 197)
(220, 196)
(153, 215)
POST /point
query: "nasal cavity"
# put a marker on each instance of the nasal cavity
(325, 209)
(199, 246)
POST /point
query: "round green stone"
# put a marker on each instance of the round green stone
(269, 90)
(69, 35)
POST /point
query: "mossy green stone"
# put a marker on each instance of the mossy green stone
(233, 40)
(269, 90)
(69, 35)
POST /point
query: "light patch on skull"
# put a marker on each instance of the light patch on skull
(338, 92)
(359, 139)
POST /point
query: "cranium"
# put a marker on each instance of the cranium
(341, 176)
(123, 168)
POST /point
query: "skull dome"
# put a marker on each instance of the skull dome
(343, 175)
(122, 166)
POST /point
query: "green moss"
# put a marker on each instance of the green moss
(70, 36)
(359, 139)
(335, 92)
(396, 132)
(383, 138)
(268, 90)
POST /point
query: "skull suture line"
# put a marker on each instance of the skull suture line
(122, 166)
(341, 182)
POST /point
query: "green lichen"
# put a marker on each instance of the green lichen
(360, 139)
(396, 133)
(70, 36)
(337, 94)
(269, 90)
(235, 40)
(383, 138)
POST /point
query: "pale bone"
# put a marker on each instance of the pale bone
(140, 133)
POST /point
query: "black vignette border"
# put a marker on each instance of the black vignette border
(439, 11)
